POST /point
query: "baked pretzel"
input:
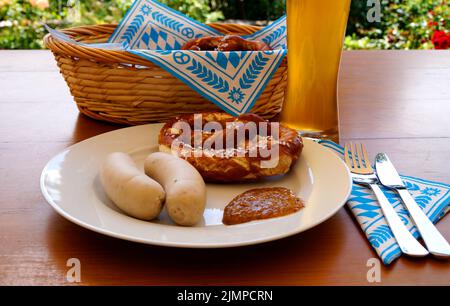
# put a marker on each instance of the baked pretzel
(224, 44)
(224, 164)
(210, 43)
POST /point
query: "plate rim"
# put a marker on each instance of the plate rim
(194, 245)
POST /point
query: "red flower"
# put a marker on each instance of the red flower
(441, 40)
(432, 24)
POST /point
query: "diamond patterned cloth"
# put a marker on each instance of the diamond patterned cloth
(231, 80)
(432, 197)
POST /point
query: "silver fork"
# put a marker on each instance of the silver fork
(362, 173)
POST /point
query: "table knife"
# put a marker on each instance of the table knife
(389, 177)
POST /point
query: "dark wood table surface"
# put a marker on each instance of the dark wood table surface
(393, 101)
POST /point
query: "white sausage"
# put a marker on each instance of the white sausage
(184, 186)
(131, 190)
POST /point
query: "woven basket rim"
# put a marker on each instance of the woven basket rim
(118, 86)
(121, 57)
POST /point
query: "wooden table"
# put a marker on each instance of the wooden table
(397, 102)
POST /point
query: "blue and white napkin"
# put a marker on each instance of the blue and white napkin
(231, 80)
(432, 197)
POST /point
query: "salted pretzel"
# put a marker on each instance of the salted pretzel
(225, 43)
(240, 160)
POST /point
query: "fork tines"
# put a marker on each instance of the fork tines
(357, 159)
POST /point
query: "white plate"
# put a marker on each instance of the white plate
(70, 183)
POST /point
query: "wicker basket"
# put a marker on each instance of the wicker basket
(121, 87)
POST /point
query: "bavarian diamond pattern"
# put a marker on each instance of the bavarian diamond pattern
(226, 60)
(154, 38)
(161, 26)
(434, 199)
(231, 80)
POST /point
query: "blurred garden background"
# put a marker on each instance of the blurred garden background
(404, 24)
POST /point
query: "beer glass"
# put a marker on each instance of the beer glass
(316, 30)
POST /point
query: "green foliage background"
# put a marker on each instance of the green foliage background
(405, 24)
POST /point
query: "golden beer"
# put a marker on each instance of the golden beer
(316, 31)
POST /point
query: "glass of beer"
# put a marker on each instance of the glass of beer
(316, 30)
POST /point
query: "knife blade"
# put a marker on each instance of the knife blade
(389, 177)
(387, 174)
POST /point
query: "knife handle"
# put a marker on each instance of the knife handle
(435, 242)
(408, 244)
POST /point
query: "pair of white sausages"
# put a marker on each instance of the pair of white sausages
(168, 180)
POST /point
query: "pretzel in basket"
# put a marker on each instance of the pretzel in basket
(235, 161)
(224, 44)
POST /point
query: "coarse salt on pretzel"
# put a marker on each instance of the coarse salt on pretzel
(242, 162)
